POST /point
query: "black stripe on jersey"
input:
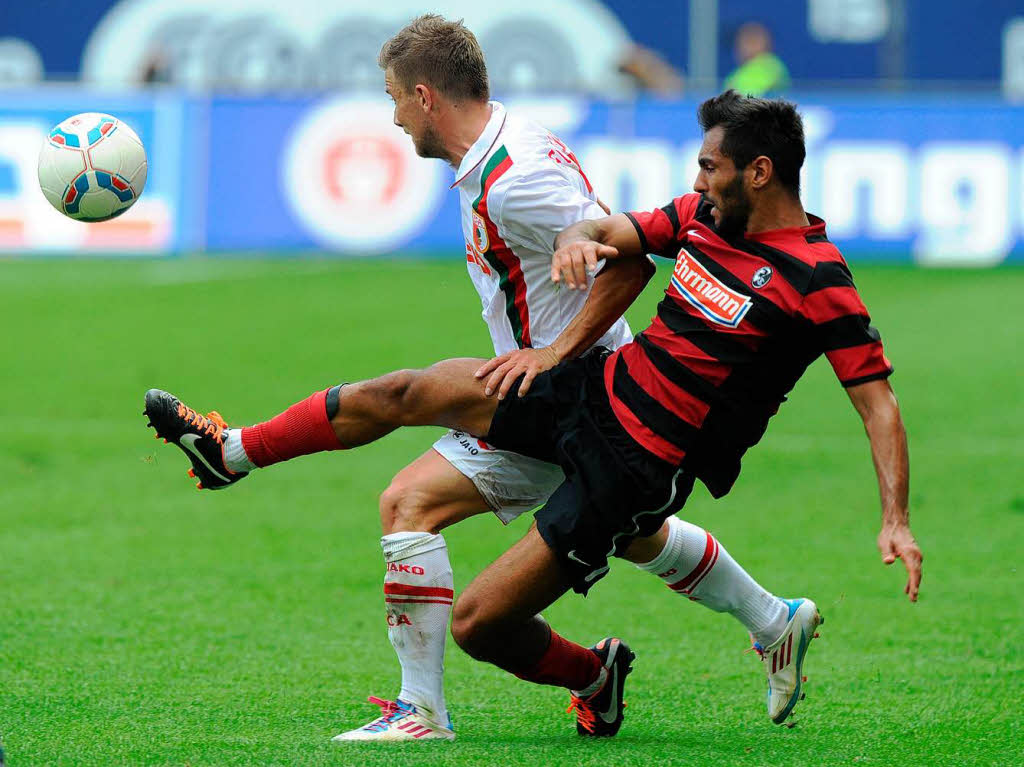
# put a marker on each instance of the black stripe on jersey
(648, 410)
(639, 233)
(831, 274)
(794, 271)
(865, 379)
(676, 372)
(763, 313)
(813, 238)
(673, 217)
(702, 334)
(844, 332)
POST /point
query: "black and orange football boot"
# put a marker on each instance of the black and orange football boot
(600, 709)
(201, 438)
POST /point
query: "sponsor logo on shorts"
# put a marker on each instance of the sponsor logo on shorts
(713, 298)
(466, 442)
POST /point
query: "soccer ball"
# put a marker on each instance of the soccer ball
(92, 167)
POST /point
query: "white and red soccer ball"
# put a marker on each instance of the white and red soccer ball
(92, 167)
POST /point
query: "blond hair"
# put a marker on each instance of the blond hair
(439, 53)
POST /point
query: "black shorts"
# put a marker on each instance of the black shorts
(614, 490)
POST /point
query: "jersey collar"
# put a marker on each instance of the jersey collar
(483, 145)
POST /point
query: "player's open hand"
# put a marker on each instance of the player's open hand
(897, 542)
(505, 369)
(573, 262)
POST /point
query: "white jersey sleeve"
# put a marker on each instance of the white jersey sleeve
(535, 209)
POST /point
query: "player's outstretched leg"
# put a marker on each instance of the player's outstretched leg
(496, 620)
(691, 562)
(345, 416)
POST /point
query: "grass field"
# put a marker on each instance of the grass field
(144, 623)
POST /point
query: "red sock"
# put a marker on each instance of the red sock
(564, 664)
(300, 430)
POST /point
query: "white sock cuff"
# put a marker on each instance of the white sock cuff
(235, 457)
(398, 546)
(669, 554)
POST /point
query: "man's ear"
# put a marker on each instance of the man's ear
(761, 172)
(425, 96)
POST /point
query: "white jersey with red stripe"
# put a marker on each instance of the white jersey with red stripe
(519, 186)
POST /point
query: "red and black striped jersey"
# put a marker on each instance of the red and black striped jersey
(740, 322)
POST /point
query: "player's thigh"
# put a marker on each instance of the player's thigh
(449, 394)
(428, 495)
(520, 583)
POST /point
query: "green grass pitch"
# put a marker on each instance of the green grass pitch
(145, 623)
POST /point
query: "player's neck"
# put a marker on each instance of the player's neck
(466, 122)
(777, 211)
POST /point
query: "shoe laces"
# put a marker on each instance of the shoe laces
(755, 646)
(585, 714)
(212, 424)
(390, 712)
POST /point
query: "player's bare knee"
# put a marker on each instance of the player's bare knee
(404, 508)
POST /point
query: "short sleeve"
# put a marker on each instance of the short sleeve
(659, 229)
(535, 209)
(842, 327)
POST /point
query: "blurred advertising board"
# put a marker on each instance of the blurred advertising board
(935, 180)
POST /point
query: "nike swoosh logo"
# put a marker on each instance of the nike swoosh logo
(695, 233)
(188, 441)
(572, 555)
(612, 713)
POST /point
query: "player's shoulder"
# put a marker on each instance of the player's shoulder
(828, 266)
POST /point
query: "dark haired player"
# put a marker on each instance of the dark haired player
(758, 292)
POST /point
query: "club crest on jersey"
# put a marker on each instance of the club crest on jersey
(480, 239)
(707, 293)
(761, 277)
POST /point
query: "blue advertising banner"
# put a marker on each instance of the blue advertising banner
(934, 180)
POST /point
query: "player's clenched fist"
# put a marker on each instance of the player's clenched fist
(573, 262)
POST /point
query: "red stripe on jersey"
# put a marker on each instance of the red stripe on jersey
(830, 303)
(636, 428)
(676, 400)
(684, 351)
(856, 362)
(656, 228)
(504, 253)
(405, 589)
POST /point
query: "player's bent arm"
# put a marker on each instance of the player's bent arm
(579, 247)
(876, 403)
(616, 287)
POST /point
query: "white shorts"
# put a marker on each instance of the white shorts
(510, 483)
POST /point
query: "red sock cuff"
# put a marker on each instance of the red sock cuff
(564, 664)
(300, 430)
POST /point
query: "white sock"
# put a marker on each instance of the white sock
(695, 565)
(418, 595)
(235, 457)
